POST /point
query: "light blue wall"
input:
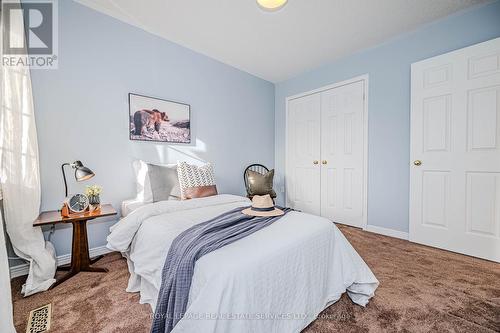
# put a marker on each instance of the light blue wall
(82, 110)
(388, 66)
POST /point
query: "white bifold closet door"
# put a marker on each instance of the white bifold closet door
(303, 147)
(325, 153)
(342, 157)
(455, 150)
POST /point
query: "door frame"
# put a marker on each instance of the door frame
(365, 79)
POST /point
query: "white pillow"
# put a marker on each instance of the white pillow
(193, 176)
(143, 183)
(128, 206)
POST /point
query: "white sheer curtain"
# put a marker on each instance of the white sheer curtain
(6, 322)
(20, 177)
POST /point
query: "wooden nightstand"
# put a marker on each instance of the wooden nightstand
(80, 259)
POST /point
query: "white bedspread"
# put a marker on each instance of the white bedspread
(275, 280)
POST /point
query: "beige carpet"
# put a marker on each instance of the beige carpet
(421, 290)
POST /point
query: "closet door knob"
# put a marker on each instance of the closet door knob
(325, 162)
(417, 162)
(315, 162)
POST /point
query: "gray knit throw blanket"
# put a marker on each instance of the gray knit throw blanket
(188, 247)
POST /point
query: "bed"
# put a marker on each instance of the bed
(275, 280)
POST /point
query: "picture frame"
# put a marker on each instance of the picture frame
(158, 120)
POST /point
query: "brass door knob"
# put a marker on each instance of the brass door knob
(315, 162)
(325, 162)
(417, 162)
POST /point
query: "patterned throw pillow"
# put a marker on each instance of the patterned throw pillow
(196, 181)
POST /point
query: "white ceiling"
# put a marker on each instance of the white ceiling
(278, 45)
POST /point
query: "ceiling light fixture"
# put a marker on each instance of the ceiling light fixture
(271, 5)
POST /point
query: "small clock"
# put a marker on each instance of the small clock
(75, 204)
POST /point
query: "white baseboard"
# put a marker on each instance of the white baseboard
(19, 270)
(387, 232)
(23, 269)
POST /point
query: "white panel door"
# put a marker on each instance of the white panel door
(455, 151)
(342, 153)
(303, 154)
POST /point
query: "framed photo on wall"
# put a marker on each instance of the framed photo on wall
(159, 120)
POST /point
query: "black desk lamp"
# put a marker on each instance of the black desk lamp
(81, 173)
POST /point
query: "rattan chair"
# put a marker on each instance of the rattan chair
(256, 168)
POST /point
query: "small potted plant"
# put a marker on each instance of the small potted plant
(93, 193)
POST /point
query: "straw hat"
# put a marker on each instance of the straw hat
(262, 205)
